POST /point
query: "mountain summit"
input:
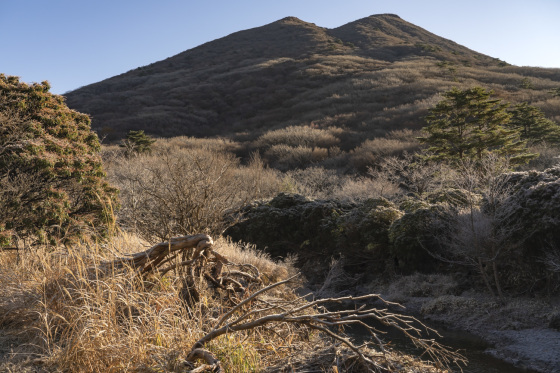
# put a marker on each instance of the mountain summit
(370, 75)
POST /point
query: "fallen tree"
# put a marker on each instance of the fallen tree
(252, 305)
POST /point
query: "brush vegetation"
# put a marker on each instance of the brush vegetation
(94, 305)
(53, 185)
(368, 153)
(365, 79)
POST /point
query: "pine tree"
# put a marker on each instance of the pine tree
(468, 124)
(137, 142)
(533, 125)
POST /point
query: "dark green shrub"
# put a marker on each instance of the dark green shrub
(318, 230)
(454, 197)
(137, 142)
(52, 184)
(532, 214)
(289, 224)
(534, 207)
(411, 204)
(368, 224)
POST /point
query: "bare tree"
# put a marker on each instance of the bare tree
(477, 237)
(182, 191)
(411, 172)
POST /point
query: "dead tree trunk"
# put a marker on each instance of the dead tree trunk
(257, 309)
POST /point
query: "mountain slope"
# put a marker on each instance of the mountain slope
(389, 37)
(368, 76)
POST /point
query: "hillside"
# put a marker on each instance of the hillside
(369, 76)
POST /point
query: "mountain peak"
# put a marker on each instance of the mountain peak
(285, 71)
(385, 15)
(290, 19)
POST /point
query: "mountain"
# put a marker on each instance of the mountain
(369, 76)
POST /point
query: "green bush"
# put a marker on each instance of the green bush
(454, 197)
(368, 225)
(318, 230)
(52, 184)
(534, 207)
(137, 142)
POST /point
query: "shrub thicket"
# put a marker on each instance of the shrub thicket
(52, 180)
(534, 206)
(178, 191)
(415, 233)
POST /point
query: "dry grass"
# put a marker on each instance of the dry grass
(298, 136)
(60, 312)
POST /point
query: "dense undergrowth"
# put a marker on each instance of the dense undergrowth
(66, 310)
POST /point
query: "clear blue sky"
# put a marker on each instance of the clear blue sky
(72, 43)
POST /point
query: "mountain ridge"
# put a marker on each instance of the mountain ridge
(291, 72)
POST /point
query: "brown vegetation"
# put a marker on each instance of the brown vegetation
(87, 310)
(368, 77)
(180, 190)
(330, 114)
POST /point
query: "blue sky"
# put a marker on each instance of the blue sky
(72, 43)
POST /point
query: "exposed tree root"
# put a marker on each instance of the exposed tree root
(254, 308)
(212, 364)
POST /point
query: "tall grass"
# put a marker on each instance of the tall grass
(64, 311)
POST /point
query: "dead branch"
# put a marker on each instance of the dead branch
(150, 259)
(314, 315)
(260, 310)
(212, 364)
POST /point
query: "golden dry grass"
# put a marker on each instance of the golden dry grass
(61, 312)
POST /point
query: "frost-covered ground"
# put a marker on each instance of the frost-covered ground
(534, 348)
(518, 330)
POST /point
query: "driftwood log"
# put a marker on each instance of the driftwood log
(257, 308)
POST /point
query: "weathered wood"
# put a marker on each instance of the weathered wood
(212, 364)
(150, 259)
(255, 309)
(313, 315)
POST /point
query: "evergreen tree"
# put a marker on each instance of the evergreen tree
(468, 124)
(533, 125)
(137, 142)
(52, 184)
